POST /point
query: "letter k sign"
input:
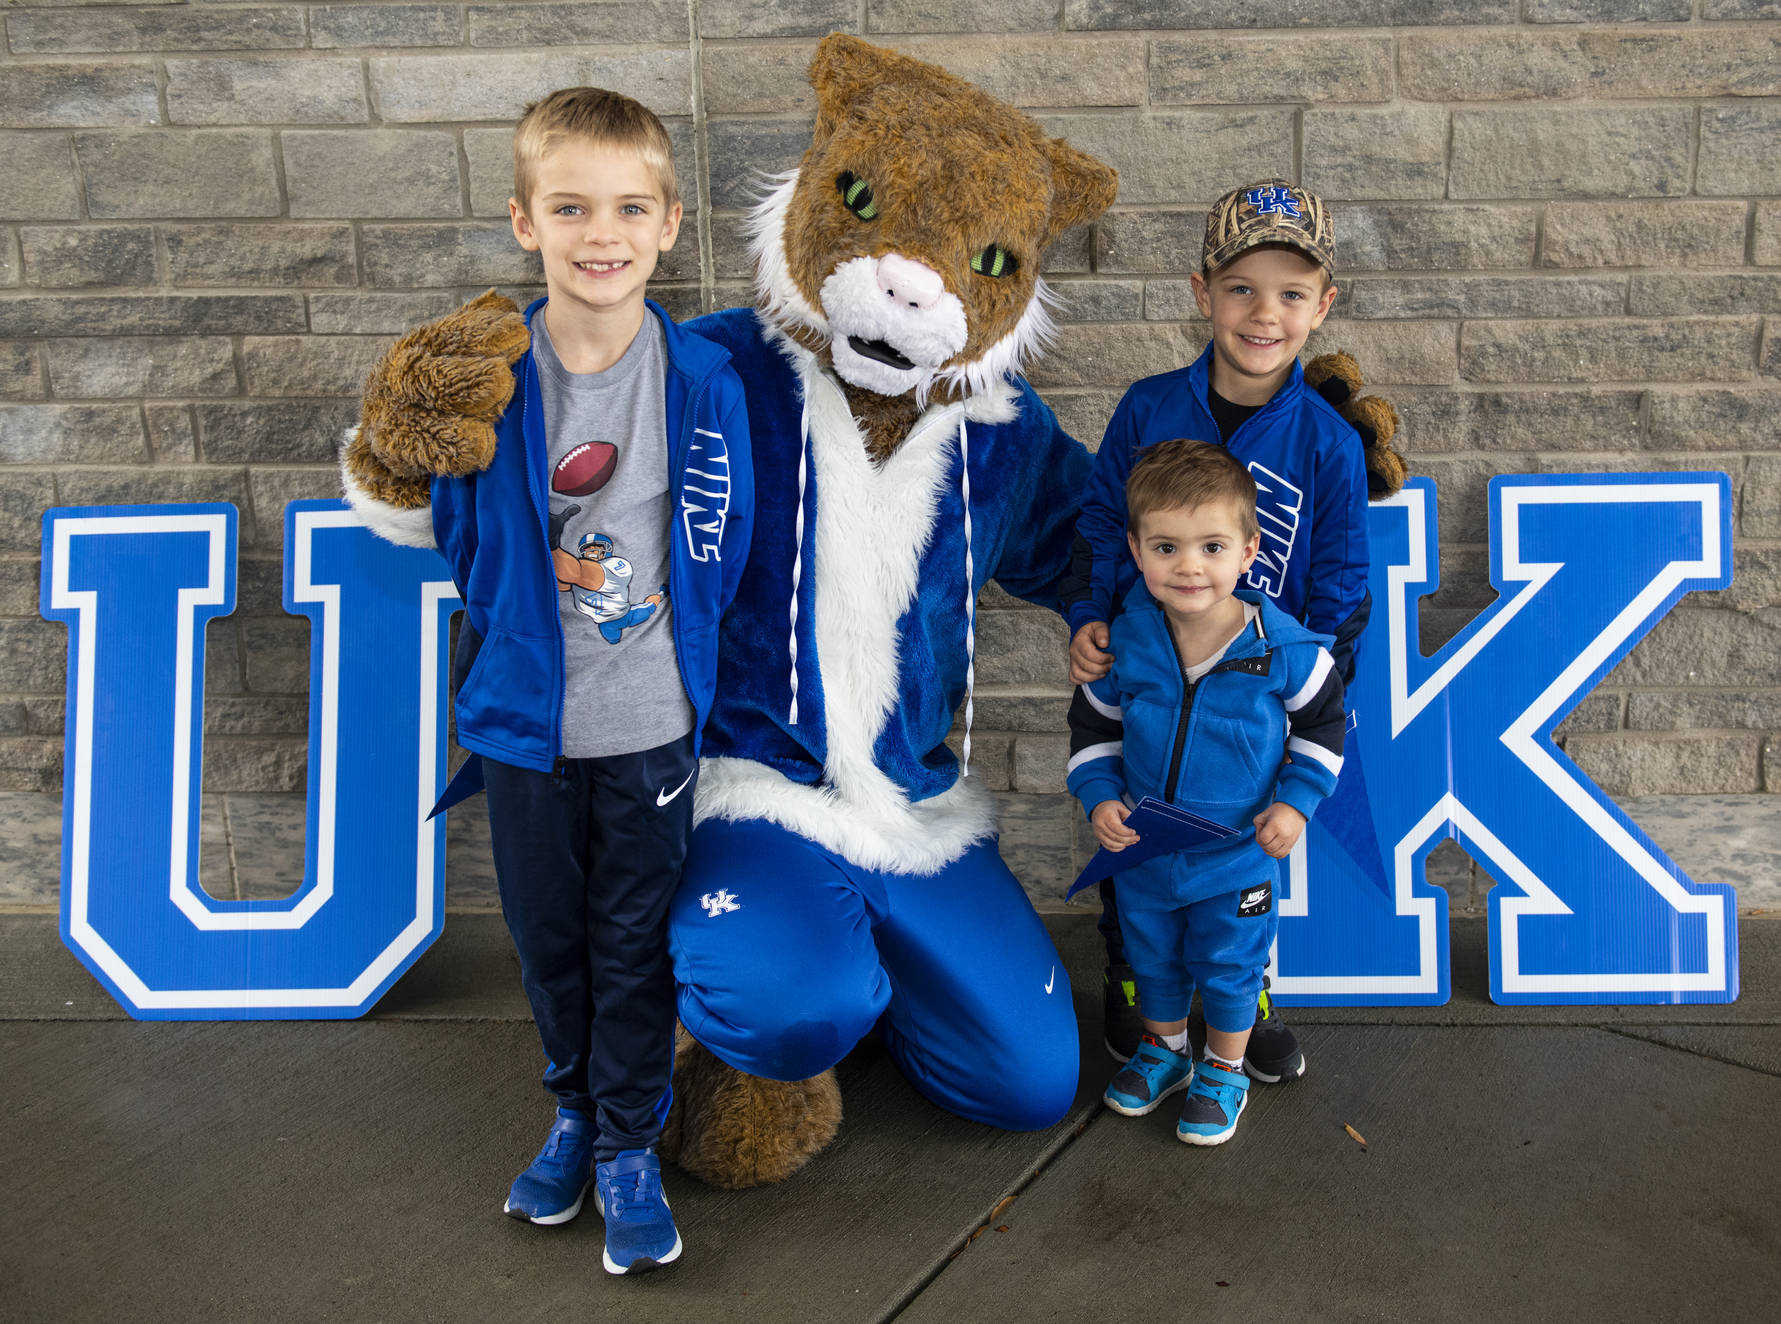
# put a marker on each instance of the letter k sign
(1460, 745)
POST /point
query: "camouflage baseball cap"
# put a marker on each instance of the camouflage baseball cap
(1271, 212)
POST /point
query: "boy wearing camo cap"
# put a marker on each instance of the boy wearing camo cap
(1266, 281)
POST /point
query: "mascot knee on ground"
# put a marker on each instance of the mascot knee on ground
(843, 875)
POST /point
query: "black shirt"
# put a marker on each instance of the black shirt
(1228, 416)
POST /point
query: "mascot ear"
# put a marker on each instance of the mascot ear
(842, 71)
(1081, 188)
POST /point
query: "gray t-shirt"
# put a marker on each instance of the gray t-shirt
(610, 509)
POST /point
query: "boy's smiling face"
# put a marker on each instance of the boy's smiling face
(1192, 557)
(1263, 305)
(598, 219)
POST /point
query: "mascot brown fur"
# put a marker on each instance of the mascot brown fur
(994, 191)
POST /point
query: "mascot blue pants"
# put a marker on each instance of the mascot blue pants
(787, 955)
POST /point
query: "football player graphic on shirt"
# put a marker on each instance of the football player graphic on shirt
(598, 579)
(599, 582)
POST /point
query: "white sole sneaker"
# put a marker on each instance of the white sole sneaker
(1266, 1079)
(646, 1263)
(549, 1220)
(1145, 1110)
(1215, 1137)
(643, 1265)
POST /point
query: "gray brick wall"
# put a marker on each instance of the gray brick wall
(1560, 224)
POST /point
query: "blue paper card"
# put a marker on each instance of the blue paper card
(1162, 829)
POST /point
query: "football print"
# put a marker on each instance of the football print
(586, 469)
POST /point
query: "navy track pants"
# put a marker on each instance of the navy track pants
(587, 862)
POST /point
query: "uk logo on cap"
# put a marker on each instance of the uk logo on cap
(1267, 201)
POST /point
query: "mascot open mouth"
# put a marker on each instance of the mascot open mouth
(881, 350)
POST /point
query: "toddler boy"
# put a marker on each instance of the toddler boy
(1209, 686)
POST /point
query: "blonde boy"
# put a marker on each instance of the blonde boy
(588, 655)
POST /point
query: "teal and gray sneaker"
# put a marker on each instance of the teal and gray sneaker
(1152, 1075)
(1215, 1101)
(640, 1231)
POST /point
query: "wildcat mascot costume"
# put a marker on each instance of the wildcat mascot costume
(843, 874)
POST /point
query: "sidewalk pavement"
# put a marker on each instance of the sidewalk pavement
(1576, 1163)
(1569, 1162)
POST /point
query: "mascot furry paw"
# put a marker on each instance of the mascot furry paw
(745, 1130)
(429, 406)
(1336, 377)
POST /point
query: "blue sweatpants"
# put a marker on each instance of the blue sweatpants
(786, 955)
(587, 861)
(1178, 939)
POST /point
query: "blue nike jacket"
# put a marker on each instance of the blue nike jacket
(1311, 499)
(492, 529)
(1264, 724)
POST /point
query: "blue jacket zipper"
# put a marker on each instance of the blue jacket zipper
(559, 764)
(1189, 688)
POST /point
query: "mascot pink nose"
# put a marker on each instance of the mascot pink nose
(908, 283)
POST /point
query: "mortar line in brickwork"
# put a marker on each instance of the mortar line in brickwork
(1694, 148)
(701, 160)
(229, 847)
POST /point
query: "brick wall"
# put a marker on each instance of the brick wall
(1559, 220)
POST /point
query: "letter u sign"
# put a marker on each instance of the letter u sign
(135, 586)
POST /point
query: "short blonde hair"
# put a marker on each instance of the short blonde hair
(1186, 475)
(592, 114)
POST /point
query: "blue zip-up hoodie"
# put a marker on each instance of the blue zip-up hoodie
(1311, 499)
(492, 528)
(1217, 746)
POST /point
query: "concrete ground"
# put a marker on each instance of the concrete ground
(1548, 1163)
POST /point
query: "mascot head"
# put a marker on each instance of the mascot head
(904, 250)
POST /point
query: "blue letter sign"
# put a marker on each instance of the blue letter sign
(136, 585)
(1587, 909)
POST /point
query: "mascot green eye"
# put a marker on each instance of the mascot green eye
(994, 261)
(856, 195)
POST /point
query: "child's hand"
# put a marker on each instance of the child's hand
(1108, 821)
(1089, 658)
(1277, 829)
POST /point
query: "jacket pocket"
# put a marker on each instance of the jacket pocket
(509, 698)
(1224, 771)
(1148, 742)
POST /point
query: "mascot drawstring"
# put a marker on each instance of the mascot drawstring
(970, 597)
(798, 549)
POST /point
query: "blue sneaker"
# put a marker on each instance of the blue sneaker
(1152, 1075)
(552, 1189)
(640, 1231)
(1214, 1103)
